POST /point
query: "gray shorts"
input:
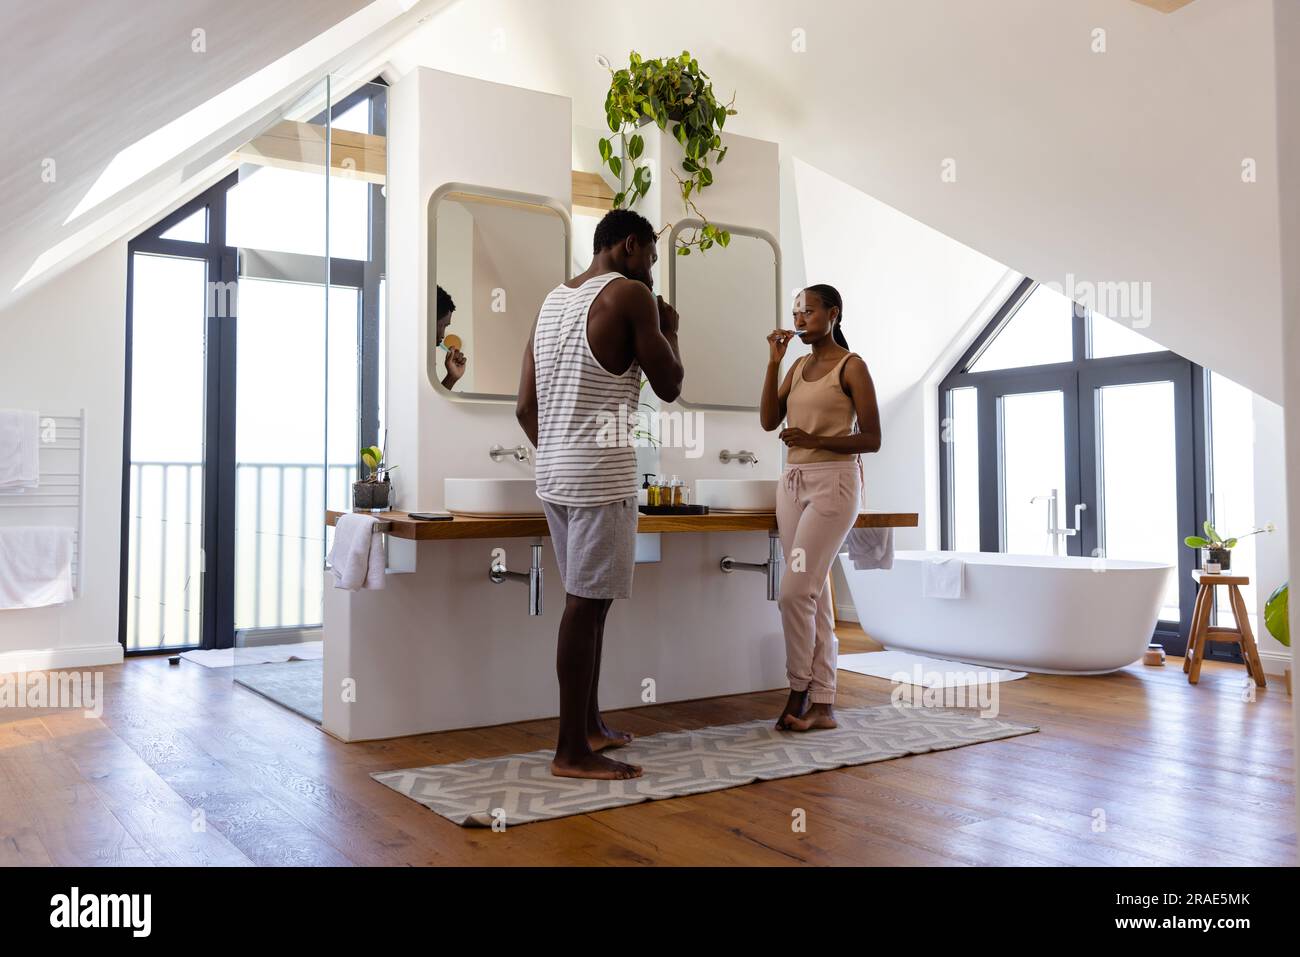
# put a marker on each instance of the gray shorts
(595, 546)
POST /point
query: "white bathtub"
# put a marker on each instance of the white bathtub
(1062, 616)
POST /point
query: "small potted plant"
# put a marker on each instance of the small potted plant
(373, 493)
(1216, 551)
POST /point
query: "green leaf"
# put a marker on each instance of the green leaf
(706, 176)
(1230, 543)
(618, 200)
(635, 146)
(724, 237)
(1195, 541)
(683, 250)
(1210, 533)
(1275, 615)
(606, 150)
(616, 165)
(721, 154)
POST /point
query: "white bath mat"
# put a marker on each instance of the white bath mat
(256, 655)
(904, 667)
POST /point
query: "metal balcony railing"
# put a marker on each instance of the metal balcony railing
(280, 545)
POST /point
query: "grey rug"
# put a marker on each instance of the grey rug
(294, 684)
(520, 789)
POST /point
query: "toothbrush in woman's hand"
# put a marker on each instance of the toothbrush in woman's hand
(777, 341)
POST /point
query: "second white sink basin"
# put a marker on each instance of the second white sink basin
(736, 495)
(492, 497)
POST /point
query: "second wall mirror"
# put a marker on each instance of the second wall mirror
(494, 254)
(729, 299)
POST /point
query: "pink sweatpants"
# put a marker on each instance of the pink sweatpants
(816, 505)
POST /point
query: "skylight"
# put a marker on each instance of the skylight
(169, 141)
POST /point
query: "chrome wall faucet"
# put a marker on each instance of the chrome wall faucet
(519, 453)
(742, 456)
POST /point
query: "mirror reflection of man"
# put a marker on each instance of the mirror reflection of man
(456, 360)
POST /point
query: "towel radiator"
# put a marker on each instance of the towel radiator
(62, 486)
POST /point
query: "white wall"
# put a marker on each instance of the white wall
(64, 348)
(1270, 506)
(1287, 22)
(1115, 166)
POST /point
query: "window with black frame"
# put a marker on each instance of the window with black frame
(1066, 432)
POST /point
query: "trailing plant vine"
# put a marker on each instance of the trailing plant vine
(671, 90)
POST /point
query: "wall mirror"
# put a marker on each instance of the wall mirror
(728, 298)
(495, 254)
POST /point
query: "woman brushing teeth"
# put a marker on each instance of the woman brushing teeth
(828, 402)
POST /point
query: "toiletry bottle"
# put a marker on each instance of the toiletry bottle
(663, 493)
(643, 496)
(677, 491)
(652, 491)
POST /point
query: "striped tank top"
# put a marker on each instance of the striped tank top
(585, 413)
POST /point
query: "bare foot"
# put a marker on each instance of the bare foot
(817, 718)
(594, 766)
(606, 739)
(795, 707)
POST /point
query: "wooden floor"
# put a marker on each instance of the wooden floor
(1133, 768)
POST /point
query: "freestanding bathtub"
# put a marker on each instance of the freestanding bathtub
(1061, 616)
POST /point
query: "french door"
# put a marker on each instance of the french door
(1100, 453)
(1138, 472)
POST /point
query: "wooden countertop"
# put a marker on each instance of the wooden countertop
(459, 527)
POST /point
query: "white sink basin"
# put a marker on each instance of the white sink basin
(491, 497)
(736, 495)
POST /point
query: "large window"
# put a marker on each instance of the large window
(1064, 432)
(254, 331)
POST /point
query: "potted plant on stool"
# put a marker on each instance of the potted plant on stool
(1216, 551)
(373, 494)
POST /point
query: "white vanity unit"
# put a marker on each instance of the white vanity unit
(479, 198)
(446, 647)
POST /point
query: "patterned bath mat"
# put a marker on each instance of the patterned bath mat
(520, 789)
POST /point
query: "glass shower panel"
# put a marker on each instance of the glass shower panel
(311, 251)
(279, 219)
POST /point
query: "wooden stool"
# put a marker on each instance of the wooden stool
(1203, 632)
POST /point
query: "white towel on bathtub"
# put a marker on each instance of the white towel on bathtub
(942, 578)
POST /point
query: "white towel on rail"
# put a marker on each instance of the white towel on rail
(942, 578)
(35, 566)
(20, 441)
(357, 556)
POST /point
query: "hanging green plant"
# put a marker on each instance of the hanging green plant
(673, 91)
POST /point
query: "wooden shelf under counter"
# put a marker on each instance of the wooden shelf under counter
(401, 525)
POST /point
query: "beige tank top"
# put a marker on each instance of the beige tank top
(820, 407)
